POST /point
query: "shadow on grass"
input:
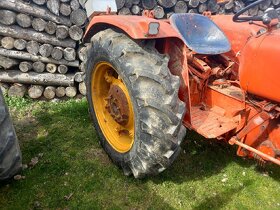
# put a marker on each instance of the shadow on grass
(75, 164)
(74, 172)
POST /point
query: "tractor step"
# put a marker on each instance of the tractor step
(212, 123)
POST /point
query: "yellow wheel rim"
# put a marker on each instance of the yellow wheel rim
(113, 107)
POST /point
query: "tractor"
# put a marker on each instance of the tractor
(149, 80)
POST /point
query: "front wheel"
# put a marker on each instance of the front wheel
(133, 100)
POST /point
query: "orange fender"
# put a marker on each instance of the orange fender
(135, 26)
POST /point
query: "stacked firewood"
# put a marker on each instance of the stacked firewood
(39, 40)
(165, 8)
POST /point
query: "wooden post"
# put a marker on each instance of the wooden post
(13, 76)
(27, 56)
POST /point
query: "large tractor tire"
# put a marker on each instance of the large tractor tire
(133, 100)
(10, 155)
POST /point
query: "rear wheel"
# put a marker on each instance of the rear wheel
(10, 155)
(133, 100)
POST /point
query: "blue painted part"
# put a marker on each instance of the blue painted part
(200, 34)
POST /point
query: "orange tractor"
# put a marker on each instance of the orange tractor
(148, 80)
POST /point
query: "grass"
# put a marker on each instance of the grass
(207, 174)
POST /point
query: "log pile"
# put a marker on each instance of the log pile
(165, 8)
(39, 40)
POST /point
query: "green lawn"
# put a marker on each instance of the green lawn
(207, 174)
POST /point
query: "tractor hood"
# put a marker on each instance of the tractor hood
(260, 64)
(200, 34)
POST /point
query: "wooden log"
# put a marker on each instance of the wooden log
(38, 66)
(76, 33)
(83, 50)
(69, 54)
(128, 3)
(33, 10)
(229, 5)
(78, 17)
(49, 92)
(238, 5)
(53, 6)
(135, 2)
(39, 24)
(136, 10)
(260, 13)
(65, 9)
(46, 50)
(265, 5)
(120, 4)
(33, 47)
(276, 2)
(14, 76)
(4, 88)
(60, 92)
(74, 4)
(20, 44)
(7, 17)
(124, 11)
(83, 3)
(29, 34)
(149, 4)
(57, 53)
(83, 67)
(17, 90)
(62, 32)
(79, 77)
(202, 8)
(25, 66)
(27, 56)
(193, 3)
(181, 7)
(82, 88)
(7, 42)
(167, 3)
(213, 6)
(159, 12)
(62, 69)
(39, 2)
(193, 11)
(71, 92)
(51, 28)
(51, 68)
(169, 14)
(253, 11)
(35, 91)
(7, 63)
(24, 20)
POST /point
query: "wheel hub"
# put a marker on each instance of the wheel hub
(113, 107)
(117, 105)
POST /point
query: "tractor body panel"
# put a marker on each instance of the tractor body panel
(260, 64)
(237, 33)
(137, 27)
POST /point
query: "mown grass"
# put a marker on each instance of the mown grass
(207, 174)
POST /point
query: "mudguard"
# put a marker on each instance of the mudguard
(135, 26)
